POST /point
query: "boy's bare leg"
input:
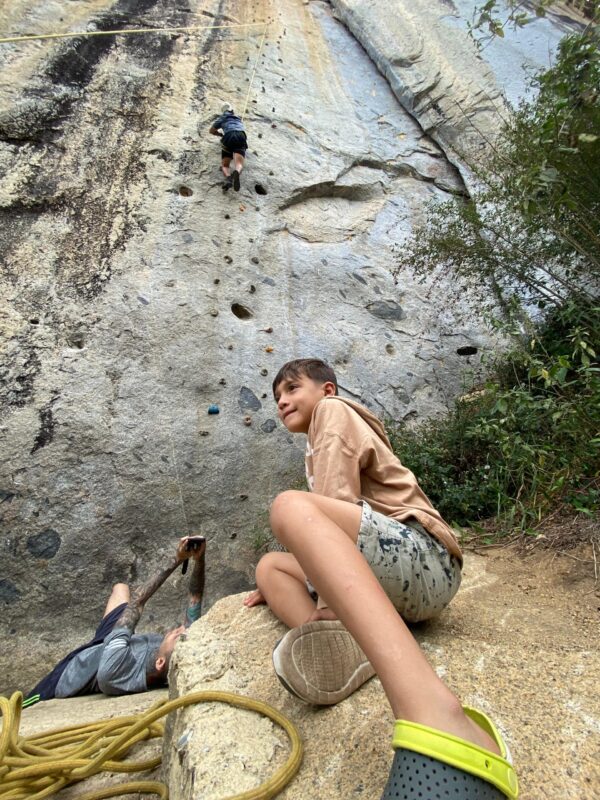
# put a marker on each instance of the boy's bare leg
(322, 532)
(282, 583)
(225, 164)
(119, 594)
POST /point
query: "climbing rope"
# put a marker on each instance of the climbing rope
(36, 767)
(124, 32)
(262, 41)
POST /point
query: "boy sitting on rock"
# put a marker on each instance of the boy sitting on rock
(366, 551)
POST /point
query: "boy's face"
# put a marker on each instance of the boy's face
(296, 399)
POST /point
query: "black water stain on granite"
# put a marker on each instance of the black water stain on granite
(45, 112)
(44, 544)
(44, 108)
(7, 496)
(21, 365)
(46, 431)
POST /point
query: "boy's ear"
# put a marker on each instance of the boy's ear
(329, 388)
(159, 664)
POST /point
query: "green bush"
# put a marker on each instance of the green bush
(525, 442)
(532, 228)
(529, 440)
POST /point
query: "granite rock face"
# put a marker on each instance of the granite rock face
(459, 95)
(137, 293)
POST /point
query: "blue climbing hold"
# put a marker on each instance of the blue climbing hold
(213, 409)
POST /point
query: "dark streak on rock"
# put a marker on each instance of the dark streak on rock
(46, 431)
(45, 113)
(20, 367)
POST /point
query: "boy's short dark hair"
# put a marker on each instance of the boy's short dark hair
(313, 368)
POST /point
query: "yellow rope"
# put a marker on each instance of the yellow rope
(125, 32)
(37, 767)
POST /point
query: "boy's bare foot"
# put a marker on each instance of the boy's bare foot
(452, 719)
(480, 737)
(255, 598)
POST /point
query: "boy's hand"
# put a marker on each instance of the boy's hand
(255, 598)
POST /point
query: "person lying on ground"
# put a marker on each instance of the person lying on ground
(233, 145)
(117, 660)
(367, 552)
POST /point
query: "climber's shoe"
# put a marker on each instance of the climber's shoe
(433, 764)
(227, 184)
(320, 663)
(235, 177)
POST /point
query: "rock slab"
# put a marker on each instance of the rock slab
(513, 642)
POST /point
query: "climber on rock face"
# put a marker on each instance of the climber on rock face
(117, 661)
(234, 145)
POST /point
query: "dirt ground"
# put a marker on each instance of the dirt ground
(527, 625)
(520, 640)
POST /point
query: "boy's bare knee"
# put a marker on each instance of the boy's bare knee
(263, 569)
(284, 505)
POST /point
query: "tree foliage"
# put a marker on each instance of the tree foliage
(530, 438)
(492, 18)
(532, 228)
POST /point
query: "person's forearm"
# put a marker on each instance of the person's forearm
(196, 592)
(141, 594)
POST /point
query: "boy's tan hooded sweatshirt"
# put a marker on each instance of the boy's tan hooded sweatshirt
(349, 457)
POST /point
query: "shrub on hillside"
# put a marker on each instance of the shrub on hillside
(530, 439)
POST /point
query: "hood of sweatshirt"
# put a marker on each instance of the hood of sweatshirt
(367, 415)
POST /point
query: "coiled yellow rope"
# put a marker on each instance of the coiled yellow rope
(36, 767)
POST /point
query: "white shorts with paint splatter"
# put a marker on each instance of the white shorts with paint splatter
(415, 570)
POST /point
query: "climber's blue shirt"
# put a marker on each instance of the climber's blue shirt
(228, 122)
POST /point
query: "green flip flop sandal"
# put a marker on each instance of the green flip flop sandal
(433, 765)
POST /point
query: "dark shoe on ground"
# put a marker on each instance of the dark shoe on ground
(320, 663)
(227, 184)
(235, 177)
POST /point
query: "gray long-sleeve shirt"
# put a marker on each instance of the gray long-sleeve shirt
(118, 665)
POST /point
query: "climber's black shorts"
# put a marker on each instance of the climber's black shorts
(234, 142)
